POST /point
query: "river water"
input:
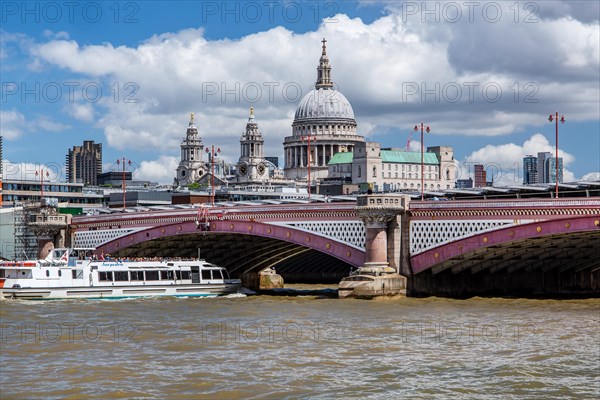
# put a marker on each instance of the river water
(299, 347)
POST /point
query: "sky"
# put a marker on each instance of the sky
(483, 75)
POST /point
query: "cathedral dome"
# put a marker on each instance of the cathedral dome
(324, 104)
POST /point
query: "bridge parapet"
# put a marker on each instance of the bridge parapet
(337, 221)
(505, 208)
(437, 223)
(379, 214)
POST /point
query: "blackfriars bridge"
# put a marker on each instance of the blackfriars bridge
(460, 248)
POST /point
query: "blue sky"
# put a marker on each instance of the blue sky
(483, 75)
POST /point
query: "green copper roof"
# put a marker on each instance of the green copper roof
(341, 158)
(408, 157)
(390, 156)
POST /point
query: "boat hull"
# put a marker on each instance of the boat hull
(119, 292)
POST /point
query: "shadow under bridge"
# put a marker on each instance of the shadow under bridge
(298, 256)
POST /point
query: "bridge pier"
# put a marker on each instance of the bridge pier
(50, 228)
(379, 276)
(266, 279)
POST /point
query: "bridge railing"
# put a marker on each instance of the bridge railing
(516, 203)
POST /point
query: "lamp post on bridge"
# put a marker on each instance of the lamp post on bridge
(426, 128)
(41, 174)
(308, 138)
(124, 161)
(562, 120)
(212, 153)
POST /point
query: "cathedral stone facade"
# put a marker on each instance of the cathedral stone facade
(327, 117)
(324, 142)
(191, 167)
(252, 166)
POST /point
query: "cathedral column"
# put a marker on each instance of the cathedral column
(293, 157)
(324, 155)
(302, 156)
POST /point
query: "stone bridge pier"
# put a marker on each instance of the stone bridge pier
(49, 227)
(386, 246)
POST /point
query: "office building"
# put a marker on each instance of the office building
(84, 163)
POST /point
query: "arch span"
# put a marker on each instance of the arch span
(565, 242)
(243, 246)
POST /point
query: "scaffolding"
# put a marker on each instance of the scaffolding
(26, 244)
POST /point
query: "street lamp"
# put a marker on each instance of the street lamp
(124, 161)
(562, 120)
(212, 154)
(308, 138)
(426, 128)
(41, 174)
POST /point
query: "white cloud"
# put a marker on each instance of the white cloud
(14, 124)
(505, 162)
(80, 111)
(182, 71)
(375, 65)
(591, 176)
(161, 170)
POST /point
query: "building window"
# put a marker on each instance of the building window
(359, 171)
(447, 174)
(374, 171)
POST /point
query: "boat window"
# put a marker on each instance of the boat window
(185, 274)
(47, 272)
(137, 275)
(151, 275)
(176, 275)
(217, 274)
(195, 274)
(225, 274)
(105, 276)
(166, 275)
(206, 274)
(77, 273)
(121, 276)
(59, 272)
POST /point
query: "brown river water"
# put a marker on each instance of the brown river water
(277, 347)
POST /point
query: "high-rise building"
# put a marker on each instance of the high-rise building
(84, 163)
(546, 166)
(480, 176)
(541, 166)
(530, 170)
(551, 169)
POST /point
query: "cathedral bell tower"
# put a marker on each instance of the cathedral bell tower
(191, 167)
(252, 166)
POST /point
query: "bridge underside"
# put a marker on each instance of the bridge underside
(538, 266)
(246, 253)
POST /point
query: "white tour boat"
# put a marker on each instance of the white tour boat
(75, 273)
